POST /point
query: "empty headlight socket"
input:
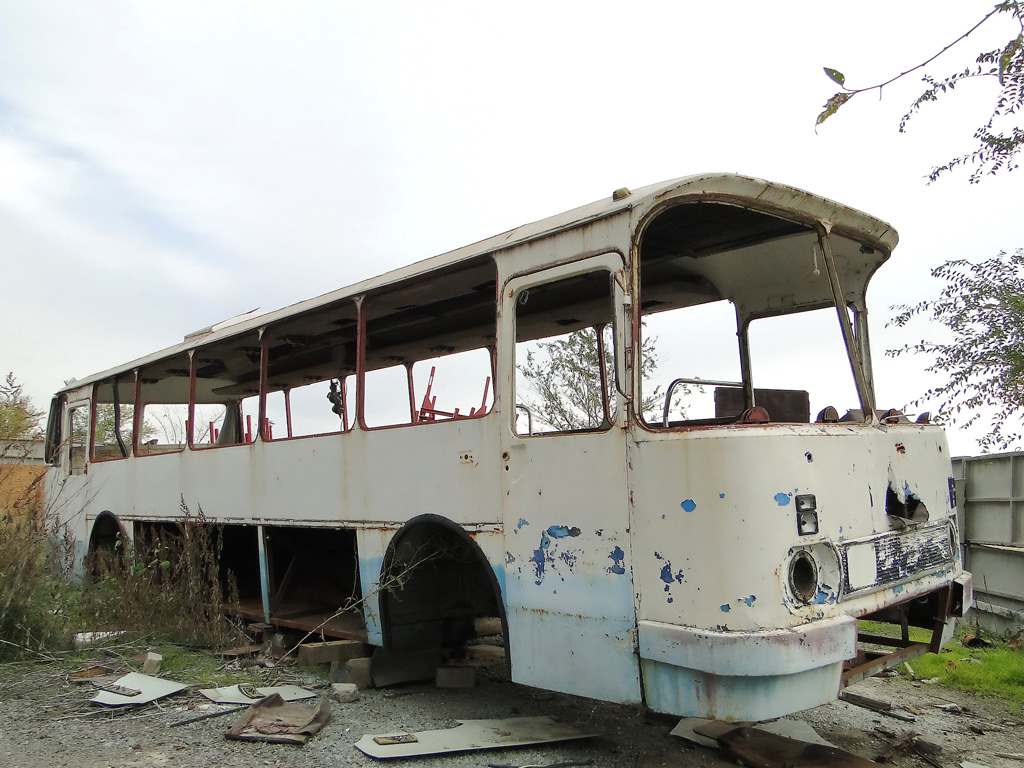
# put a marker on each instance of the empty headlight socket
(803, 576)
(806, 514)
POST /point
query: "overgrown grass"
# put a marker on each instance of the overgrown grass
(166, 588)
(200, 667)
(34, 565)
(997, 670)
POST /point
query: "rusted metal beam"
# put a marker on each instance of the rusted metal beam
(882, 663)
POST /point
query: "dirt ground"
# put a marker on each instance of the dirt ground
(45, 720)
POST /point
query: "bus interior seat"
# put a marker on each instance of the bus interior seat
(783, 405)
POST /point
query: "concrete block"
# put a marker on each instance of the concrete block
(279, 644)
(455, 677)
(345, 692)
(338, 674)
(487, 626)
(332, 650)
(152, 663)
(492, 654)
(259, 630)
(930, 744)
(358, 672)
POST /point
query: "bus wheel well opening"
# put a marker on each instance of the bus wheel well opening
(435, 583)
(107, 542)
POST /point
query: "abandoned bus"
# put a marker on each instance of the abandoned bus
(642, 433)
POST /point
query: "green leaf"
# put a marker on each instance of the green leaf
(1007, 57)
(836, 76)
(832, 106)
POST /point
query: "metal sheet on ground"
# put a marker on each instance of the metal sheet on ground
(235, 694)
(472, 735)
(149, 688)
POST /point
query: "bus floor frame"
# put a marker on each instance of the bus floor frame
(868, 663)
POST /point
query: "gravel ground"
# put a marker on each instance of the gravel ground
(47, 721)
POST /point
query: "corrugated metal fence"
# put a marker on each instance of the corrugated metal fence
(990, 509)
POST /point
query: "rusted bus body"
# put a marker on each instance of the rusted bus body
(702, 563)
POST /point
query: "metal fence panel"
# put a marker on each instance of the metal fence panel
(990, 499)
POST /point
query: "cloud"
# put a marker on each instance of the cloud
(166, 165)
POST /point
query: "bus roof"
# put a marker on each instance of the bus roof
(729, 188)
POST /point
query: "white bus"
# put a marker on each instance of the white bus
(643, 433)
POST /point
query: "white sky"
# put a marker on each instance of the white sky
(165, 165)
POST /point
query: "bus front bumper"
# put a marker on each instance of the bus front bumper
(758, 675)
(731, 675)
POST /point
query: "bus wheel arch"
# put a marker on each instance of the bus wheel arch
(107, 541)
(435, 580)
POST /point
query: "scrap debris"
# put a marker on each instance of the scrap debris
(471, 735)
(133, 689)
(703, 732)
(274, 720)
(86, 674)
(755, 748)
(84, 639)
(768, 745)
(882, 707)
(249, 694)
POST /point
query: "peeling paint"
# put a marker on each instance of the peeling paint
(749, 600)
(521, 523)
(809, 457)
(617, 557)
(721, 495)
(509, 558)
(546, 556)
(824, 595)
(725, 607)
(689, 505)
(538, 561)
(782, 499)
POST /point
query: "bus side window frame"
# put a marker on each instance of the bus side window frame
(83, 406)
(54, 430)
(411, 399)
(613, 263)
